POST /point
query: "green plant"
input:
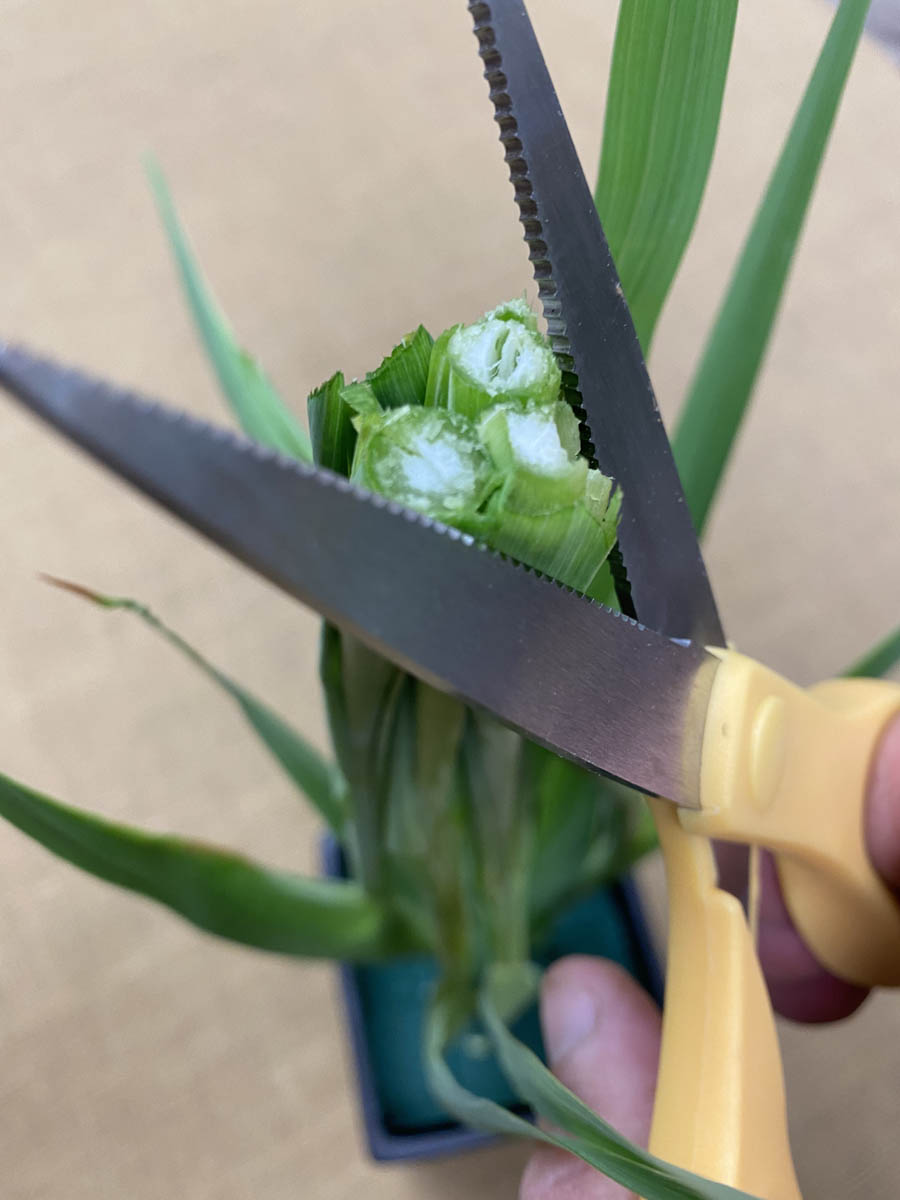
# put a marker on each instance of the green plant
(463, 839)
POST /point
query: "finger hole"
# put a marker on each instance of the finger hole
(800, 988)
(883, 807)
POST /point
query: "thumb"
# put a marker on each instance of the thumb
(601, 1032)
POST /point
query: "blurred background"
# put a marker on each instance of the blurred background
(338, 169)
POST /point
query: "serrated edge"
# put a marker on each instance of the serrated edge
(529, 215)
(20, 371)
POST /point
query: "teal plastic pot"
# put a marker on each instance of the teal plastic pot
(385, 1006)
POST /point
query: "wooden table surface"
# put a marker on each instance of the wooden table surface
(339, 172)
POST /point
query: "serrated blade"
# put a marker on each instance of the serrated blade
(588, 683)
(591, 329)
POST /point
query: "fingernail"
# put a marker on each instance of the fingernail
(569, 1016)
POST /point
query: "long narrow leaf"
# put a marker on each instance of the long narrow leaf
(320, 781)
(724, 381)
(598, 1145)
(609, 1151)
(467, 1107)
(217, 890)
(662, 113)
(880, 659)
(262, 413)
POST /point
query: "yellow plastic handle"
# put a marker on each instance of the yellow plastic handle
(720, 1106)
(788, 770)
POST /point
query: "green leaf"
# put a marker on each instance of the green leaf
(262, 413)
(589, 831)
(446, 1015)
(727, 372)
(319, 780)
(331, 428)
(662, 113)
(566, 806)
(501, 832)
(217, 890)
(423, 855)
(588, 1136)
(360, 398)
(570, 545)
(402, 377)
(880, 659)
(363, 693)
(331, 679)
(581, 1131)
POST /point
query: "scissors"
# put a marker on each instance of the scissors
(729, 749)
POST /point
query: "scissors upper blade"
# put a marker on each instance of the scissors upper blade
(588, 683)
(591, 329)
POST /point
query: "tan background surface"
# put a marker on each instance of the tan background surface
(340, 175)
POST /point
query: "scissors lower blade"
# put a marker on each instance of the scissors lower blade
(588, 683)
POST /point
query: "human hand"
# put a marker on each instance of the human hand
(601, 1034)
(602, 1030)
(799, 987)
